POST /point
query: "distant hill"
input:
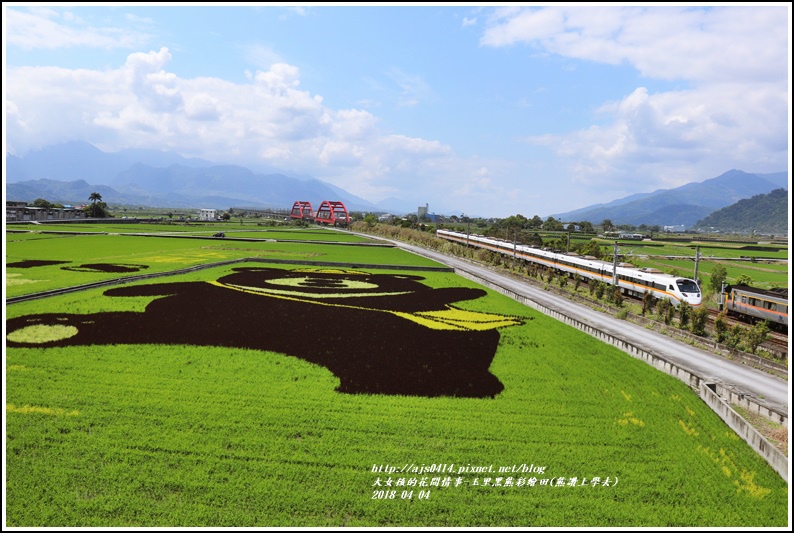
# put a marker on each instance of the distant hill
(77, 193)
(684, 205)
(763, 213)
(77, 160)
(63, 173)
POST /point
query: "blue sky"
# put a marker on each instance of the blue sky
(489, 110)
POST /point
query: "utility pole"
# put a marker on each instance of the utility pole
(515, 239)
(615, 266)
(468, 228)
(722, 296)
(697, 258)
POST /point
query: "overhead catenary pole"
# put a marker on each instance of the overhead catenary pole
(722, 296)
(468, 229)
(515, 240)
(697, 258)
(615, 266)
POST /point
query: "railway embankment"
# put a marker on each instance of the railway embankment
(716, 395)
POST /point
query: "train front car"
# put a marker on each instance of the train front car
(687, 290)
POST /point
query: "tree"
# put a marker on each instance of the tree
(528, 237)
(592, 285)
(607, 225)
(700, 318)
(600, 289)
(669, 312)
(757, 335)
(552, 224)
(684, 314)
(589, 248)
(718, 276)
(665, 310)
(94, 197)
(535, 223)
(648, 302)
(515, 221)
(41, 202)
(721, 327)
(744, 279)
(737, 333)
(617, 296)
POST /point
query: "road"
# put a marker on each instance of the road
(774, 390)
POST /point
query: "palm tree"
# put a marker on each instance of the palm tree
(94, 198)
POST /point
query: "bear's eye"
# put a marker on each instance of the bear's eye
(308, 282)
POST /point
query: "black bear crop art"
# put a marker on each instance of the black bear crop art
(378, 333)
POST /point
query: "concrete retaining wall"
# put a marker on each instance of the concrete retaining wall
(772, 455)
(749, 403)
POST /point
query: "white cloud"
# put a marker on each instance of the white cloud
(731, 111)
(512, 25)
(48, 28)
(734, 114)
(138, 20)
(678, 137)
(266, 119)
(413, 88)
(202, 106)
(668, 42)
(353, 124)
(261, 56)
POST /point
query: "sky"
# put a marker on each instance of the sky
(486, 109)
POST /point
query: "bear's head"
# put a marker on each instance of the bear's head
(322, 284)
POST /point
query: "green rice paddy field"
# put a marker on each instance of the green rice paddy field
(171, 433)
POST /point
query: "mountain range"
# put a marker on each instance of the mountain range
(684, 205)
(70, 172)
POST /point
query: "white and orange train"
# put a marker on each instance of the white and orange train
(632, 280)
(752, 305)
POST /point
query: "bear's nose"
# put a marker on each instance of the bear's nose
(322, 283)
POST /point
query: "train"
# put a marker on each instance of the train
(632, 280)
(750, 304)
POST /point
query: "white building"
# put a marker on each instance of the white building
(208, 214)
(675, 228)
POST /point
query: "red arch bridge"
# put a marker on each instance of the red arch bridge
(329, 213)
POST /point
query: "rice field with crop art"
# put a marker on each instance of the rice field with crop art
(36, 263)
(260, 394)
